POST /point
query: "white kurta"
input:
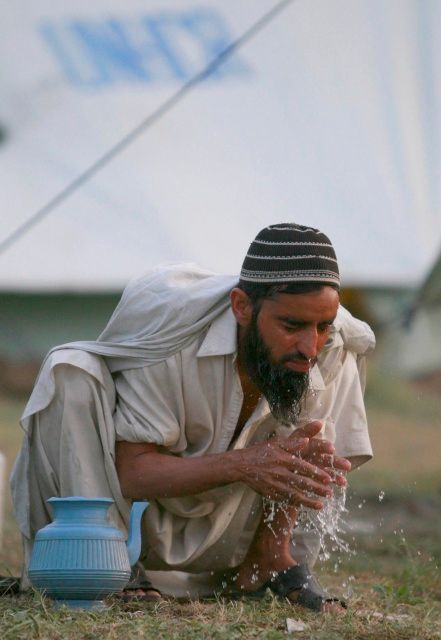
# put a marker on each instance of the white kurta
(189, 403)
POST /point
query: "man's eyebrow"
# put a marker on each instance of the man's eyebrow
(298, 322)
(291, 320)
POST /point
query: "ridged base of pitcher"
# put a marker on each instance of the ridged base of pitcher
(79, 585)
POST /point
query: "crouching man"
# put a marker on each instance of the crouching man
(228, 403)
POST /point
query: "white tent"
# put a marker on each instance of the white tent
(329, 114)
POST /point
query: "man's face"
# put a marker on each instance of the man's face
(281, 342)
(295, 327)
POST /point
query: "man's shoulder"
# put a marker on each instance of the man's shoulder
(179, 284)
(351, 334)
(350, 339)
(168, 305)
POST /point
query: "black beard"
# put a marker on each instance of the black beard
(284, 389)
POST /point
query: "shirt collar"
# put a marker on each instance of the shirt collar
(221, 337)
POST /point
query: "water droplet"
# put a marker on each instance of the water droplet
(380, 496)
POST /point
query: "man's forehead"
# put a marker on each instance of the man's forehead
(324, 300)
(320, 293)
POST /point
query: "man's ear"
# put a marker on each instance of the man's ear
(241, 306)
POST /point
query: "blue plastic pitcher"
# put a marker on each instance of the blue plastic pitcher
(80, 557)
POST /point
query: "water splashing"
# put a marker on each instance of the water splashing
(327, 523)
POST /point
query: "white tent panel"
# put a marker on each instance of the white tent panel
(330, 116)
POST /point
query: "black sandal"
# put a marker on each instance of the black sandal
(298, 578)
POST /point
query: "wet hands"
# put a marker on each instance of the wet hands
(278, 470)
(321, 453)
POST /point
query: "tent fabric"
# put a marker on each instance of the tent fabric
(329, 115)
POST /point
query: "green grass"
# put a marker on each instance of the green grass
(392, 580)
(381, 607)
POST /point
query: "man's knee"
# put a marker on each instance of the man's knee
(71, 421)
(73, 386)
(75, 383)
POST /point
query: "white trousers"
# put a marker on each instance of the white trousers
(70, 451)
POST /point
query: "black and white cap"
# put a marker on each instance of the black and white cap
(289, 252)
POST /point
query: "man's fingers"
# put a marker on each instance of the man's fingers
(301, 467)
(318, 446)
(342, 463)
(329, 460)
(293, 445)
(301, 498)
(323, 460)
(337, 478)
(340, 480)
(280, 492)
(308, 430)
(306, 484)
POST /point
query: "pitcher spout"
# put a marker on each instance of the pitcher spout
(134, 539)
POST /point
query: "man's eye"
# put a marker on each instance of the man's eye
(290, 328)
(323, 328)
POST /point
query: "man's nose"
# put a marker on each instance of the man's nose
(307, 345)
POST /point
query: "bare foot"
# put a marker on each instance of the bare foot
(147, 594)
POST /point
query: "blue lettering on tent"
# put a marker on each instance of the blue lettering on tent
(153, 49)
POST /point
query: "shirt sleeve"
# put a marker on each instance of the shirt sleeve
(348, 412)
(149, 406)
